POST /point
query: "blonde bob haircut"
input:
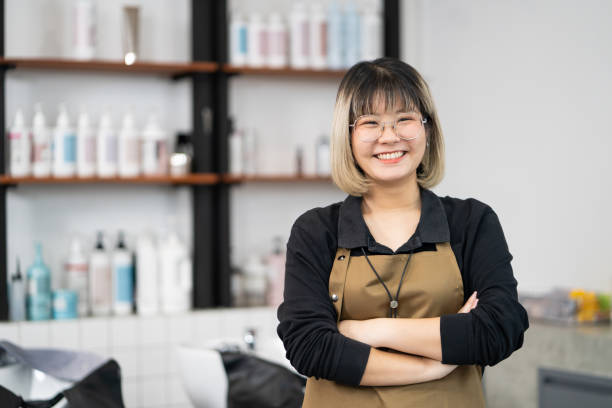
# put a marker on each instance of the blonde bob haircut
(397, 86)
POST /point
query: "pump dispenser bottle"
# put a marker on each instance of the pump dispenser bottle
(64, 146)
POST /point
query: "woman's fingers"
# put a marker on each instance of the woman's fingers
(469, 304)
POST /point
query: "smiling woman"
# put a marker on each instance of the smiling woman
(396, 297)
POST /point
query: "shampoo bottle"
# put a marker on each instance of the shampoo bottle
(41, 138)
(129, 148)
(175, 275)
(238, 39)
(20, 147)
(334, 36)
(371, 31)
(147, 276)
(77, 275)
(318, 37)
(258, 42)
(277, 42)
(154, 149)
(64, 146)
(299, 36)
(100, 279)
(39, 288)
(17, 301)
(352, 37)
(86, 147)
(107, 147)
(123, 278)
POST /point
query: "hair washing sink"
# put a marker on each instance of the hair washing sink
(202, 372)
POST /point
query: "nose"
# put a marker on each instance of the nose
(388, 133)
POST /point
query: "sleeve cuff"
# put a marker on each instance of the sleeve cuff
(456, 338)
(353, 359)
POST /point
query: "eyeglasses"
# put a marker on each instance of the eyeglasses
(369, 128)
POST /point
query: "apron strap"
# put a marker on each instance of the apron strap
(337, 279)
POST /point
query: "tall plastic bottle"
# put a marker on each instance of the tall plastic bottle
(318, 37)
(17, 298)
(258, 42)
(129, 148)
(238, 39)
(123, 278)
(334, 36)
(77, 275)
(147, 276)
(154, 148)
(175, 275)
(39, 288)
(64, 146)
(371, 31)
(84, 33)
(100, 279)
(41, 139)
(277, 41)
(299, 29)
(86, 147)
(107, 147)
(352, 36)
(20, 147)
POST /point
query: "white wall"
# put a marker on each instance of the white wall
(523, 91)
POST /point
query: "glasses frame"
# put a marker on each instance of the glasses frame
(383, 124)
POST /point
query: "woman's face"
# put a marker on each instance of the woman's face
(389, 159)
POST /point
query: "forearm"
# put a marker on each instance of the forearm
(414, 336)
(386, 369)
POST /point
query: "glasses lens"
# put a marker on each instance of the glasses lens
(368, 128)
(408, 125)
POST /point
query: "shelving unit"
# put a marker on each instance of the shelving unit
(210, 74)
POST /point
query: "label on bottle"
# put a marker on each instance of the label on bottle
(124, 283)
(101, 286)
(89, 149)
(242, 40)
(70, 148)
(111, 148)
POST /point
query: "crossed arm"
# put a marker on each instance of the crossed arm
(419, 339)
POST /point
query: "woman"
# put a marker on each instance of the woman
(396, 297)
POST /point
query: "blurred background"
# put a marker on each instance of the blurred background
(170, 227)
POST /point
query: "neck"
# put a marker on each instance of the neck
(388, 198)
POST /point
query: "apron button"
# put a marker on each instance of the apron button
(334, 298)
(341, 258)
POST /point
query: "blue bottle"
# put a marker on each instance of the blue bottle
(335, 33)
(39, 288)
(351, 35)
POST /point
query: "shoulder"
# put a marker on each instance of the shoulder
(318, 221)
(466, 215)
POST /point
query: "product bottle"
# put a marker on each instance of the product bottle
(107, 147)
(175, 275)
(238, 39)
(334, 36)
(20, 147)
(371, 31)
(64, 146)
(255, 281)
(129, 148)
(258, 42)
(352, 37)
(17, 302)
(100, 279)
(277, 42)
(86, 147)
(76, 270)
(249, 153)
(276, 277)
(318, 37)
(147, 291)
(41, 138)
(323, 157)
(154, 149)
(299, 32)
(235, 149)
(123, 278)
(84, 29)
(39, 288)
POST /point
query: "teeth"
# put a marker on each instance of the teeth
(389, 156)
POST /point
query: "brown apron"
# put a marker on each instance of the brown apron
(432, 287)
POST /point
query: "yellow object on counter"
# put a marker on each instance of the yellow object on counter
(588, 305)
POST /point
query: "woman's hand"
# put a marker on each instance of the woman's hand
(470, 304)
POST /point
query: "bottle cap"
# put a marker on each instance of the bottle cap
(62, 118)
(39, 116)
(19, 121)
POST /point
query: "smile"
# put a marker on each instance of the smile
(390, 156)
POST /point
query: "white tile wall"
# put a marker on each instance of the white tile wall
(144, 347)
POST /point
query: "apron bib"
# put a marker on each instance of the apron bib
(432, 287)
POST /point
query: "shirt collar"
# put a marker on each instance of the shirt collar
(433, 224)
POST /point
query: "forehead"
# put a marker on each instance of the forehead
(380, 101)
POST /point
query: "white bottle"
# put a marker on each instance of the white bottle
(147, 276)
(107, 147)
(84, 33)
(238, 40)
(20, 147)
(129, 148)
(299, 36)
(154, 149)
(277, 41)
(100, 280)
(352, 37)
(371, 31)
(258, 42)
(86, 147)
(175, 275)
(17, 297)
(41, 138)
(334, 36)
(323, 157)
(77, 275)
(235, 150)
(123, 278)
(64, 146)
(318, 37)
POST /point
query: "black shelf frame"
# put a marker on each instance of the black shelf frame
(211, 203)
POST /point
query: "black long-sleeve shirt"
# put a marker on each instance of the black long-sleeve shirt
(484, 336)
